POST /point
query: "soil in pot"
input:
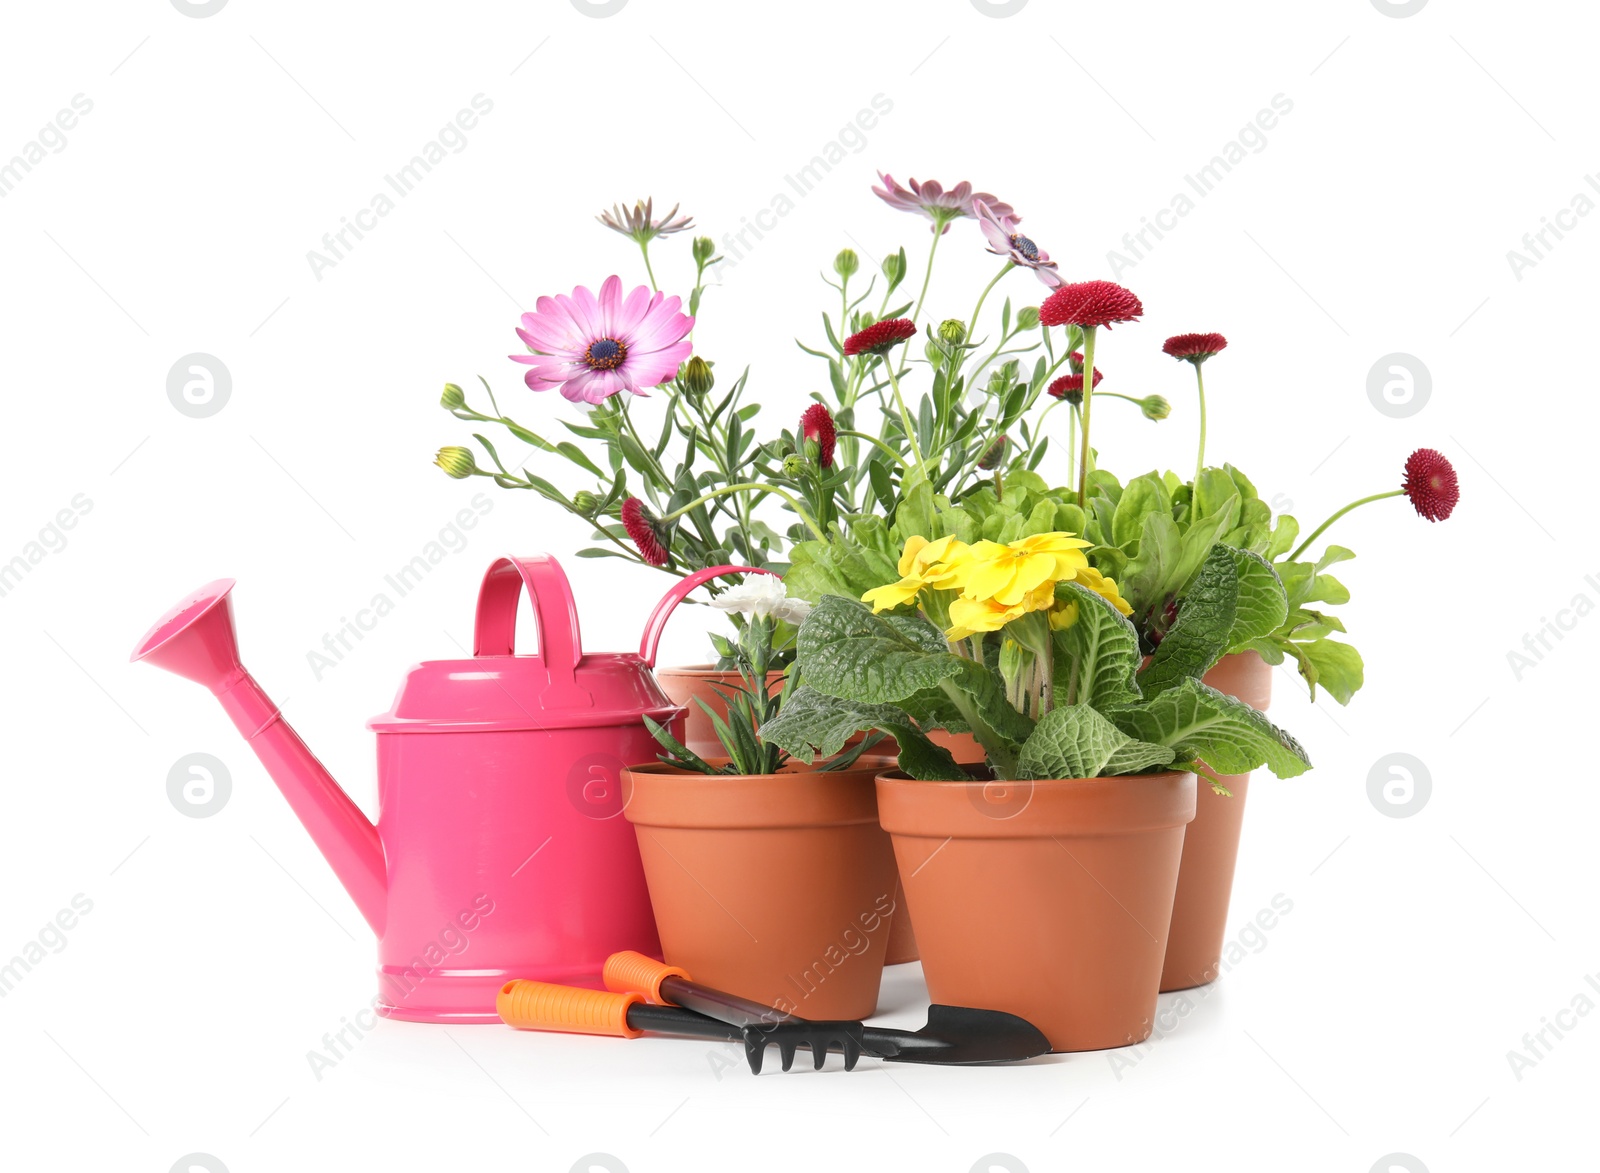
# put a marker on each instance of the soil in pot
(1050, 900)
(1211, 846)
(779, 887)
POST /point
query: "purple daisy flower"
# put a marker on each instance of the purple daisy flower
(931, 200)
(591, 348)
(1006, 240)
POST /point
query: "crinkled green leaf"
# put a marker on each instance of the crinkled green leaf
(1200, 636)
(1075, 741)
(1263, 605)
(1228, 735)
(847, 651)
(813, 724)
(1097, 656)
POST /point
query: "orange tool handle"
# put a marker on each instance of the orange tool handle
(530, 1005)
(633, 971)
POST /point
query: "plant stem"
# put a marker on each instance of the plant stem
(1317, 533)
(905, 417)
(644, 247)
(1000, 755)
(893, 455)
(1088, 396)
(938, 231)
(1072, 435)
(984, 296)
(1200, 383)
(750, 487)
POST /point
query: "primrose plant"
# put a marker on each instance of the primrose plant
(1027, 647)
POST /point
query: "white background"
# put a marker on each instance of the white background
(1377, 1016)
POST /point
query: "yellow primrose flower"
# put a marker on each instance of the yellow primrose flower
(1008, 573)
(969, 616)
(923, 564)
(1105, 587)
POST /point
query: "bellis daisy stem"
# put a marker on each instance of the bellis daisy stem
(751, 487)
(1200, 459)
(1088, 397)
(1317, 533)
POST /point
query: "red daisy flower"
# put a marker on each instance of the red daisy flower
(1090, 304)
(880, 336)
(816, 424)
(641, 527)
(1430, 483)
(1070, 387)
(1194, 347)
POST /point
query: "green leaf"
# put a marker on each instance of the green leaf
(575, 454)
(1145, 581)
(1199, 722)
(636, 456)
(1075, 741)
(1143, 496)
(1283, 536)
(847, 651)
(1097, 656)
(1200, 636)
(813, 724)
(1338, 667)
(1263, 605)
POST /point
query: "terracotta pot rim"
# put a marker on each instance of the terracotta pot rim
(658, 795)
(1126, 804)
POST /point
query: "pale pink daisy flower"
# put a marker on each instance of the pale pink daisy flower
(930, 199)
(594, 347)
(1006, 240)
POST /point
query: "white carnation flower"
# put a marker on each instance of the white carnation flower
(762, 595)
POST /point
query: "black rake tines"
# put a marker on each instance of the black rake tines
(821, 1037)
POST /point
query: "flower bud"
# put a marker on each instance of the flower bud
(697, 377)
(1155, 407)
(794, 464)
(585, 503)
(953, 331)
(1027, 317)
(846, 264)
(894, 268)
(453, 397)
(704, 248)
(994, 454)
(456, 462)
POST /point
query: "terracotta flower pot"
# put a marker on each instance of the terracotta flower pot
(697, 681)
(902, 948)
(1050, 900)
(1211, 846)
(776, 887)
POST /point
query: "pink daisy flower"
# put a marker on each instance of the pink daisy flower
(591, 348)
(1007, 240)
(930, 199)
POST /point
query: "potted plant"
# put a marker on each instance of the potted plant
(1042, 882)
(770, 878)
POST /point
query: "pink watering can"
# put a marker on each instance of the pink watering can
(500, 850)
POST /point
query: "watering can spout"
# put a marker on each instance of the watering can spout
(196, 640)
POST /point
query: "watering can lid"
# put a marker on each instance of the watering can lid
(559, 688)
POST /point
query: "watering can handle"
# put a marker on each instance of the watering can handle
(657, 622)
(554, 611)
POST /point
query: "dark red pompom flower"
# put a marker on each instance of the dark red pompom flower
(1431, 484)
(816, 424)
(1090, 304)
(1196, 348)
(1070, 387)
(880, 336)
(642, 528)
